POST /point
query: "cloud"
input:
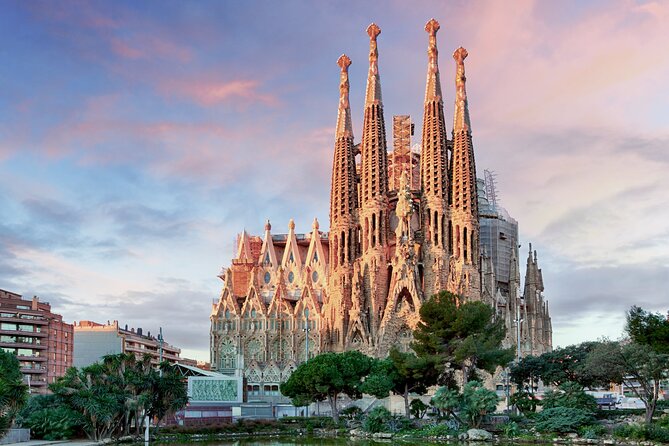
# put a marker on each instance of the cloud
(589, 302)
(209, 93)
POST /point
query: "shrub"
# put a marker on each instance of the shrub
(418, 408)
(441, 430)
(351, 413)
(563, 419)
(651, 432)
(49, 419)
(511, 429)
(376, 419)
(592, 432)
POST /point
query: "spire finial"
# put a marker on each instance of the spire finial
(344, 126)
(268, 225)
(433, 85)
(291, 225)
(373, 94)
(461, 121)
(315, 224)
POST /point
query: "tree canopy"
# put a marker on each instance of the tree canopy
(118, 392)
(326, 376)
(402, 373)
(13, 392)
(466, 336)
(648, 328)
(638, 366)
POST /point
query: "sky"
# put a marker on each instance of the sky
(138, 138)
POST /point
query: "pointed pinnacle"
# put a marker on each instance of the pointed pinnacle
(461, 118)
(433, 84)
(344, 125)
(373, 92)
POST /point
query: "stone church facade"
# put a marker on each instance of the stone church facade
(403, 226)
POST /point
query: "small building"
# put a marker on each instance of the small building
(39, 338)
(92, 341)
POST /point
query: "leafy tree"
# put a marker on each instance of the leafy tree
(402, 373)
(468, 407)
(569, 364)
(571, 395)
(418, 408)
(464, 335)
(527, 373)
(13, 392)
(638, 366)
(525, 401)
(647, 328)
(326, 377)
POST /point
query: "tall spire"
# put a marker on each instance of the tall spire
(344, 126)
(374, 172)
(462, 185)
(434, 168)
(461, 117)
(373, 92)
(433, 157)
(433, 85)
(343, 196)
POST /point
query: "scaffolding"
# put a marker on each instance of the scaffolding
(402, 158)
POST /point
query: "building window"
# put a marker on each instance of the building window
(291, 277)
(268, 277)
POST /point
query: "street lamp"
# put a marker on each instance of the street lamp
(306, 339)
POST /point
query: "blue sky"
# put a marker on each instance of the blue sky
(137, 139)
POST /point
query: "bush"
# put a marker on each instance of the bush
(376, 420)
(651, 432)
(440, 430)
(50, 419)
(592, 432)
(351, 413)
(511, 429)
(570, 395)
(418, 408)
(563, 419)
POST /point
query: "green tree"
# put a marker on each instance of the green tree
(327, 376)
(402, 374)
(527, 373)
(648, 328)
(13, 392)
(638, 366)
(50, 419)
(465, 335)
(569, 364)
(418, 408)
(117, 393)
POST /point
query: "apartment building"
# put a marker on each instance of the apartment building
(39, 338)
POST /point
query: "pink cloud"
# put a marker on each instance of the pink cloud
(124, 50)
(210, 93)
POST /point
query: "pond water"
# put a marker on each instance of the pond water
(313, 441)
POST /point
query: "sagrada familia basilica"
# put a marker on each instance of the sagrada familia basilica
(403, 226)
